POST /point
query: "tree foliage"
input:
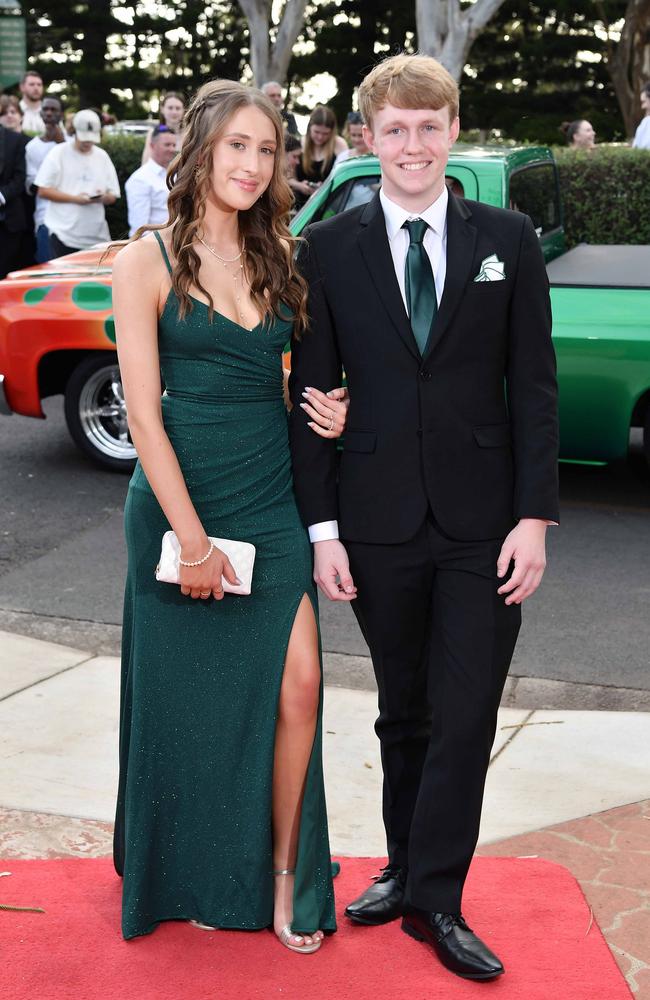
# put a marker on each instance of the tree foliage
(115, 54)
(534, 64)
(539, 64)
(346, 39)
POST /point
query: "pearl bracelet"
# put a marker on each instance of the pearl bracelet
(198, 562)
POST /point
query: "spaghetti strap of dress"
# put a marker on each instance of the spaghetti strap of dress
(163, 251)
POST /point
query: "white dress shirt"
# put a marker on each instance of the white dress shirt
(435, 238)
(32, 121)
(435, 244)
(642, 134)
(146, 196)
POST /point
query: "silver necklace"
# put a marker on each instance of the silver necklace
(237, 276)
(224, 260)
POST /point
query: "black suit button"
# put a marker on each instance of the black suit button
(425, 374)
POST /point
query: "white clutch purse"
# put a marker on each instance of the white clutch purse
(241, 555)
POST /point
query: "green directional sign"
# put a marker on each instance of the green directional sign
(13, 52)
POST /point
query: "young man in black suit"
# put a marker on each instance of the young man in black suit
(438, 311)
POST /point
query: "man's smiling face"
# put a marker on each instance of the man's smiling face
(413, 148)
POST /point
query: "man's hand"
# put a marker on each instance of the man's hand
(331, 565)
(526, 545)
(53, 133)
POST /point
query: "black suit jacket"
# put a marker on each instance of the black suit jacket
(470, 428)
(12, 180)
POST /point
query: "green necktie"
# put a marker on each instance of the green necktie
(421, 301)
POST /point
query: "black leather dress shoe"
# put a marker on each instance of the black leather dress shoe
(383, 901)
(455, 944)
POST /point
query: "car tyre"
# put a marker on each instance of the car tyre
(95, 412)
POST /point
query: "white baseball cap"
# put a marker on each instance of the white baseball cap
(87, 126)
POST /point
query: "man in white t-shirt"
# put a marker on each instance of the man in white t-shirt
(642, 134)
(35, 152)
(146, 189)
(31, 92)
(78, 180)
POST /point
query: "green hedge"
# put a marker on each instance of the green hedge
(605, 193)
(126, 153)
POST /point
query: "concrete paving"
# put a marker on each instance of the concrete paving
(58, 773)
(58, 751)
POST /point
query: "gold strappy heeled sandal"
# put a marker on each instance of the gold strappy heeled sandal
(285, 935)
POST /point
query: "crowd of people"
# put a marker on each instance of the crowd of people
(56, 181)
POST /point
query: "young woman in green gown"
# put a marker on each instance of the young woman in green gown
(221, 814)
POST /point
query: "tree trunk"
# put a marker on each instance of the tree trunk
(448, 33)
(628, 62)
(94, 89)
(271, 61)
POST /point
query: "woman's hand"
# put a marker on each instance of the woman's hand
(205, 580)
(328, 411)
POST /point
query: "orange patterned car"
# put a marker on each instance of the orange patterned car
(57, 336)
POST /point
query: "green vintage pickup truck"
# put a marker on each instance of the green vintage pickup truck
(600, 294)
(57, 334)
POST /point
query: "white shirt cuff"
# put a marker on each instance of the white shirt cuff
(324, 531)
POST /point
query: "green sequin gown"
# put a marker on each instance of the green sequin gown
(201, 679)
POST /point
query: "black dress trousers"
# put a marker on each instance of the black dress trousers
(441, 654)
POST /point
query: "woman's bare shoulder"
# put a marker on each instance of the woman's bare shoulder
(142, 256)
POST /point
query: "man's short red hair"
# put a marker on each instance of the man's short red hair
(409, 82)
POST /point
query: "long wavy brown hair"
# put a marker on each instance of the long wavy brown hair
(274, 281)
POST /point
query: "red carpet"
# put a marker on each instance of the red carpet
(531, 912)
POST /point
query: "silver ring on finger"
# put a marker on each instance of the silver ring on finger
(204, 593)
(331, 426)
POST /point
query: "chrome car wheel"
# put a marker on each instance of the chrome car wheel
(102, 414)
(96, 413)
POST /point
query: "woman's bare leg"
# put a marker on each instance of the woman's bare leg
(296, 726)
